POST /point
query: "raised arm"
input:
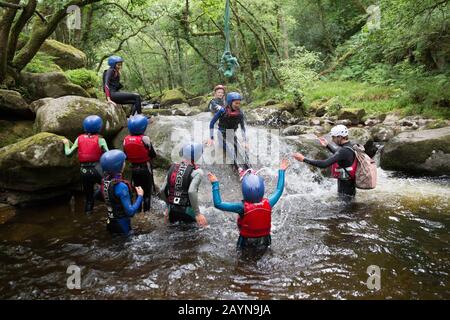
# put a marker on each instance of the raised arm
(103, 144)
(236, 207)
(121, 191)
(275, 196)
(69, 150)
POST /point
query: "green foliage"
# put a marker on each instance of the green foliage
(42, 63)
(83, 77)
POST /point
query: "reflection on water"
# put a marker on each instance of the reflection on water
(321, 247)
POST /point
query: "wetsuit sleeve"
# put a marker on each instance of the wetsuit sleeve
(338, 156)
(148, 144)
(197, 176)
(237, 207)
(103, 144)
(108, 76)
(274, 197)
(213, 122)
(332, 148)
(69, 150)
(121, 191)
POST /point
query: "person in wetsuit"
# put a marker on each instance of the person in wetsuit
(218, 101)
(255, 211)
(180, 187)
(117, 193)
(343, 162)
(112, 86)
(230, 117)
(140, 153)
(90, 147)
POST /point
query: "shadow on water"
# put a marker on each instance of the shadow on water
(321, 247)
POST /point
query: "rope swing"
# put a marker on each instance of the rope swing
(228, 63)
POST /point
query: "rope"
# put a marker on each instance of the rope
(228, 63)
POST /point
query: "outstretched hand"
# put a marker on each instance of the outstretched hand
(212, 178)
(139, 191)
(210, 142)
(323, 141)
(299, 156)
(65, 141)
(201, 220)
(284, 164)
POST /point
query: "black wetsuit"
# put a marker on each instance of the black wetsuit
(112, 85)
(344, 157)
(90, 176)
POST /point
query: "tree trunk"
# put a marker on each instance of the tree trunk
(5, 27)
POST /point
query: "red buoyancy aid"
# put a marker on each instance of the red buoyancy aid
(88, 148)
(256, 221)
(135, 149)
(336, 170)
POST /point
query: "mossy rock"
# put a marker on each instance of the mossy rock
(12, 132)
(36, 163)
(52, 84)
(66, 56)
(12, 105)
(171, 97)
(157, 112)
(65, 116)
(423, 152)
(354, 115)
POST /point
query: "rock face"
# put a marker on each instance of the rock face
(266, 115)
(354, 115)
(296, 130)
(13, 105)
(359, 135)
(183, 109)
(382, 133)
(52, 84)
(171, 97)
(14, 131)
(66, 56)
(65, 115)
(37, 163)
(419, 152)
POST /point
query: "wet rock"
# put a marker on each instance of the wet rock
(359, 135)
(52, 84)
(382, 133)
(197, 101)
(419, 152)
(296, 130)
(315, 122)
(13, 105)
(287, 118)
(184, 110)
(371, 122)
(37, 163)
(267, 116)
(171, 97)
(66, 56)
(65, 115)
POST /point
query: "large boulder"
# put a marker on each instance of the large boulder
(65, 115)
(12, 105)
(296, 130)
(66, 56)
(354, 115)
(382, 133)
(265, 115)
(14, 131)
(419, 152)
(359, 135)
(52, 84)
(171, 97)
(37, 163)
(183, 109)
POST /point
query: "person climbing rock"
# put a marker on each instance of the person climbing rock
(343, 162)
(218, 101)
(117, 193)
(90, 147)
(255, 211)
(140, 153)
(112, 86)
(230, 117)
(180, 187)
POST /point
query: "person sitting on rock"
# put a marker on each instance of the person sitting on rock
(112, 86)
(90, 147)
(218, 101)
(180, 187)
(117, 193)
(255, 211)
(140, 152)
(343, 162)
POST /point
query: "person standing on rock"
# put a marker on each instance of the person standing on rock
(218, 101)
(112, 86)
(140, 152)
(90, 147)
(180, 187)
(343, 162)
(117, 193)
(230, 117)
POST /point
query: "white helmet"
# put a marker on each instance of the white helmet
(339, 131)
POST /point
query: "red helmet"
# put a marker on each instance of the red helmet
(219, 86)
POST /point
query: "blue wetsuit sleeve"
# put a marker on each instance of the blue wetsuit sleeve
(213, 122)
(121, 191)
(236, 207)
(274, 197)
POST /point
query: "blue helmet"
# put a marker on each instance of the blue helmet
(192, 151)
(252, 188)
(233, 96)
(92, 124)
(113, 60)
(137, 124)
(112, 161)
